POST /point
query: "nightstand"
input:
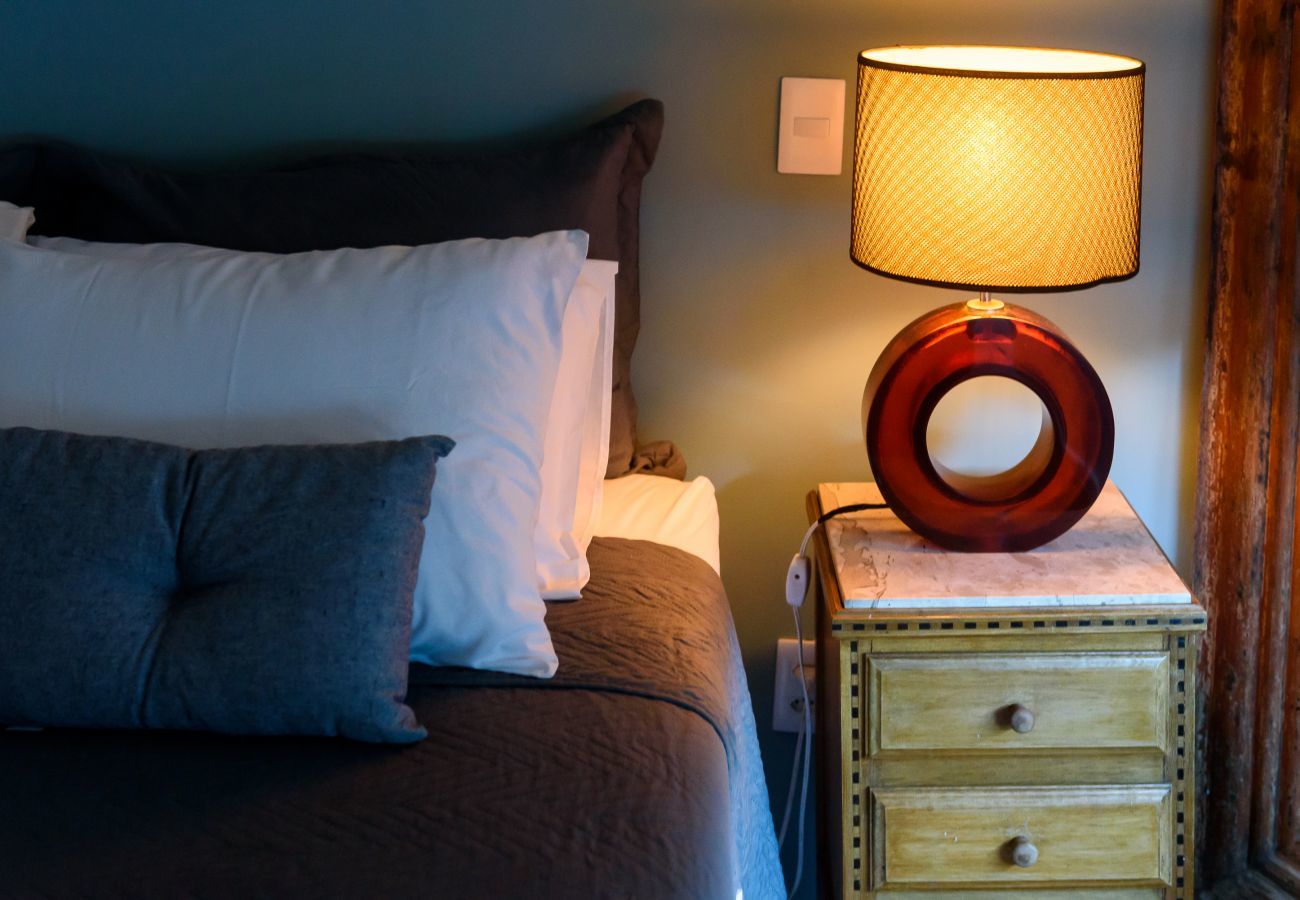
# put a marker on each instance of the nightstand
(1003, 723)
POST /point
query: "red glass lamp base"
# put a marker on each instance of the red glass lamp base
(1040, 497)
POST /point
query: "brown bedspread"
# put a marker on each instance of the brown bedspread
(611, 780)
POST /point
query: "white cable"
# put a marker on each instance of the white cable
(794, 782)
(807, 536)
(807, 757)
(827, 516)
(796, 588)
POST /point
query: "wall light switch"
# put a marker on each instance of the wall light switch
(811, 134)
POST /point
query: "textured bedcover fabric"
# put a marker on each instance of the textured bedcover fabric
(654, 621)
(633, 773)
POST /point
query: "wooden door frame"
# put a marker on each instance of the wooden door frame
(1246, 541)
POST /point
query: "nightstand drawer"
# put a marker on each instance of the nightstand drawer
(950, 837)
(1027, 701)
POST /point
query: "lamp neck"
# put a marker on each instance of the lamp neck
(985, 303)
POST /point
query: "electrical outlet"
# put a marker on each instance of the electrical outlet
(787, 699)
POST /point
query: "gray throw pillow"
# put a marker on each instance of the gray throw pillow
(264, 590)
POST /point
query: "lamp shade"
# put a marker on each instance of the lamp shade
(1008, 168)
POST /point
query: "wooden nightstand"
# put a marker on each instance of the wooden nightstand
(1003, 723)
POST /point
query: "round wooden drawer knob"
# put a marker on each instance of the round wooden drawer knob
(1023, 852)
(1022, 720)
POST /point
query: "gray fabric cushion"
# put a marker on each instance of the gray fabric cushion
(264, 590)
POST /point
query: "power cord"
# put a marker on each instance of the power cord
(802, 749)
(796, 589)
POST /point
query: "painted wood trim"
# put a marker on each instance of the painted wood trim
(955, 837)
(960, 702)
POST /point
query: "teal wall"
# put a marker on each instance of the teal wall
(758, 332)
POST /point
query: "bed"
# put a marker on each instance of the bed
(633, 771)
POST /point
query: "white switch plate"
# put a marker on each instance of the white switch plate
(810, 137)
(787, 699)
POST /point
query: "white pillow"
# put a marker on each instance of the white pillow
(225, 349)
(577, 435)
(15, 220)
(681, 514)
(577, 428)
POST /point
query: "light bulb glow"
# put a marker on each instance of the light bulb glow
(1017, 60)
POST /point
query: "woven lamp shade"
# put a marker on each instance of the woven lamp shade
(1016, 169)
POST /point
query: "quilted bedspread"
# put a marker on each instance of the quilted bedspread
(634, 773)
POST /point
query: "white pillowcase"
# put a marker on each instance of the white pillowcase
(577, 435)
(577, 427)
(225, 349)
(681, 514)
(15, 220)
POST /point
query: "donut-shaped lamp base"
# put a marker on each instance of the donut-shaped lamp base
(1034, 501)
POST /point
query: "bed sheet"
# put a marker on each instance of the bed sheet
(634, 772)
(681, 514)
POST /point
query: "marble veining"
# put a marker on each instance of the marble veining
(1107, 559)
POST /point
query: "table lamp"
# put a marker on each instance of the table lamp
(1005, 169)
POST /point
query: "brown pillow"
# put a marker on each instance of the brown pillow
(590, 180)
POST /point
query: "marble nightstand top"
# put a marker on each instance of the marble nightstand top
(1107, 559)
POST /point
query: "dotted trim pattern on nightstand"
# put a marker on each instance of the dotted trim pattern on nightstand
(855, 765)
(1181, 761)
(1158, 622)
